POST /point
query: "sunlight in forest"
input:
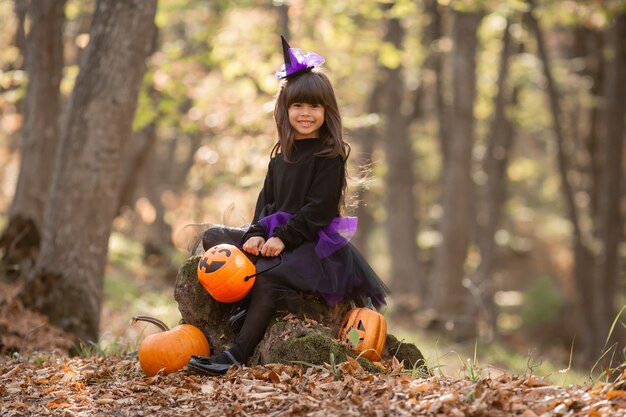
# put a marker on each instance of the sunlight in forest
(486, 168)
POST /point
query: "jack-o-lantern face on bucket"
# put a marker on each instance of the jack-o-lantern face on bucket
(226, 273)
(371, 328)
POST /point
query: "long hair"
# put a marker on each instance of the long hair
(312, 87)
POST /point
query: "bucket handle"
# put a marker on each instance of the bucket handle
(280, 260)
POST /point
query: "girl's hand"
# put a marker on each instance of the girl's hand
(254, 245)
(273, 247)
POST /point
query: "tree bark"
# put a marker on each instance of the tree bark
(162, 176)
(399, 195)
(21, 10)
(66, 283)
(282, 9)
(433, 64)
(367, 138)
(435, 35)
(457, 187)
(611, 183)
(44, 65)
(492, 194)
(583, 256)
(589, 48)
(135, 161)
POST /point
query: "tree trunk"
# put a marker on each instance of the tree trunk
(400, 198)
(432, 65)
(21, 10)
(492, 193)
(457, 187)
(282, 9)
(44, 65)
(611, 184)
(589, 48)
(435, 35)
(66, 283)
(164, 176)
(583, 257)
(367, 138)
(134, 162)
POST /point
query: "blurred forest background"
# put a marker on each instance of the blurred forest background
(491, 133)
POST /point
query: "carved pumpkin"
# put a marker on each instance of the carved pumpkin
(226, 273)
(371, 328)
(170, 350)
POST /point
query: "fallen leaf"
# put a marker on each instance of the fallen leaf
(616, 394)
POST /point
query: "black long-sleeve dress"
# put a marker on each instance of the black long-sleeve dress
(299, 204)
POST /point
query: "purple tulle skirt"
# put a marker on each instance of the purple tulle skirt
(330, 239)
(330, 266)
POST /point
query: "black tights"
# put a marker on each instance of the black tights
(268, 293)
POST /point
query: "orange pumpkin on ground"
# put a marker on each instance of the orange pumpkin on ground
(372, 331)
(170, 350)
(226, 273)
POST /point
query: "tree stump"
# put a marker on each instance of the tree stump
(306, 335)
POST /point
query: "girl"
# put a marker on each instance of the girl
(297, 225)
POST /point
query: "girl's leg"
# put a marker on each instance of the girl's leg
(265, 296)
(215, 235)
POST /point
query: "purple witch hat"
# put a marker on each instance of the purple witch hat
(297, 61)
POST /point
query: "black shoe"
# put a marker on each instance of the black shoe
(203, 364)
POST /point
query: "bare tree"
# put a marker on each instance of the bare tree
(399, 181)
(458, 186)
(611, 184)
(66, 283)
(44, 65)
(135, 161)
(434, 34)
(589, 45)
(366, 137)
(21, 10)
(282, 11)
(595, 271)
(492, 194)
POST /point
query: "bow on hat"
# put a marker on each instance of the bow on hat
(297, 61)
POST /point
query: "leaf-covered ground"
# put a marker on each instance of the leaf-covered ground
(38, 379)
(112, 386)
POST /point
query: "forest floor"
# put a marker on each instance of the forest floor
(38, 378)
(113, 386)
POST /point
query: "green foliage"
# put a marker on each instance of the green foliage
(40, 359)
(390, 56)
(115, 348)
(420, 370)
(124, 251)
(615, 365)
(75, 9)
(354, 337)
(445, 358)
(542, 302)
(470, 367)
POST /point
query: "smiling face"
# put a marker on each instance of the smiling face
(306, 119)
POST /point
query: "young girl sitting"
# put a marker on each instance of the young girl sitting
(297, 225)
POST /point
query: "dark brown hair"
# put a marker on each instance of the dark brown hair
(311, 87)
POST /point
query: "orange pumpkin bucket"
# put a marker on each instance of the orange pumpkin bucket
(226, 273)
(372, 331)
